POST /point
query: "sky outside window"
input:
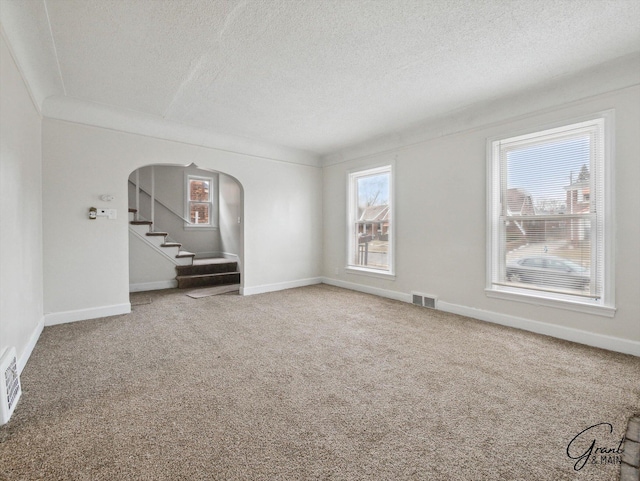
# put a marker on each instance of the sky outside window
(545, 170)
(373, 190)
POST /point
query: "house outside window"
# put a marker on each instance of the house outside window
(370, 243)
(550, 217)
(199, 201)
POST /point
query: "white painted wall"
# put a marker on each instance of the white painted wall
(230, 202)
(86, 261)
(441, 231)
(170, 192)
(21, 308)
(149, 269)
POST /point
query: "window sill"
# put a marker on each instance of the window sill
(571, 305)
(362, 271)
(200, 227)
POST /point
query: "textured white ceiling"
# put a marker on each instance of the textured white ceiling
(314, 75)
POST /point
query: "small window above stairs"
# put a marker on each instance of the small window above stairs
(191, 272)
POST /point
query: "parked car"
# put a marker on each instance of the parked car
(549, 271)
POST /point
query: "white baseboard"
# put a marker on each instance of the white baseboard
(153, 286)
(28, 349)
(376, 291)
(249, 291)
(83, 314)
(602, 341)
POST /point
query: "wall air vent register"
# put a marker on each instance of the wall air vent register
(424, 300)
(10, 390)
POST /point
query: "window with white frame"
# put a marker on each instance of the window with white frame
(370, 245)
(550, 215)
(199, 201)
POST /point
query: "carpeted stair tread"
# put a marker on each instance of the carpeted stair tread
(157, 233)
(216, 279)
(199, 269)
(202, 276)
(141, 222)
(185, 254)
(132, 210)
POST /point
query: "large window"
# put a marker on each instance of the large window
(550, 217)
(199, 203)
(370, 220)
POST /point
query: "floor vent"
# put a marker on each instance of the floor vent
(424, 300)
(10, 390)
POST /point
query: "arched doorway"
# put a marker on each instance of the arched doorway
(185, 229)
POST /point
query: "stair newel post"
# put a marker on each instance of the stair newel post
(137, 193)
(153, 196)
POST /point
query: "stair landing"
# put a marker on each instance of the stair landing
(212, 260)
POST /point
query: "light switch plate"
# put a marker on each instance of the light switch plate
(108, 213)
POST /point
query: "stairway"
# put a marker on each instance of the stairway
(191, 272)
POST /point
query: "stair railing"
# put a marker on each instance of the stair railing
(154, 201)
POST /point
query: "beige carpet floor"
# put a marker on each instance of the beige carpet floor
(310, 383)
